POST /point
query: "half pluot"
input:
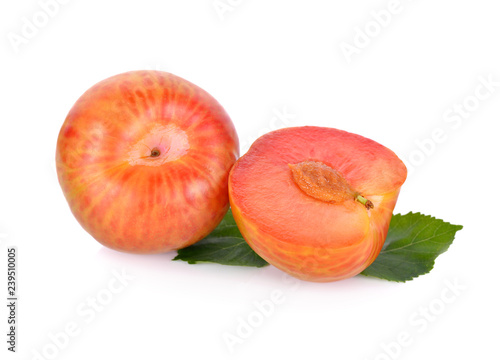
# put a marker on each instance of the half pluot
(316, 202)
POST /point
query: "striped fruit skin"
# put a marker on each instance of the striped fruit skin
(307, 238)
(318, 263)
(143, 160)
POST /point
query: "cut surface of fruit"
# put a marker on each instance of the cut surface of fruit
(304, 191)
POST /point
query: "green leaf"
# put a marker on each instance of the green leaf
(413, 242)
(225, 245)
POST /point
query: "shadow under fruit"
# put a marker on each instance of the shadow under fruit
(316, 202)
(143, 160)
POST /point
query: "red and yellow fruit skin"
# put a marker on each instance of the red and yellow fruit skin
(302, 236)
(320, 264)
(128, 200)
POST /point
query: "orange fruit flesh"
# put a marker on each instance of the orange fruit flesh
(314, 235)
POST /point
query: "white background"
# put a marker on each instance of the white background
(259, 58)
